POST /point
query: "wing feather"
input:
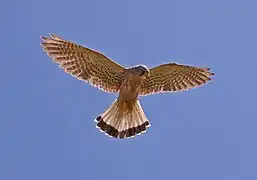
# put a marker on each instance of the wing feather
(84, 63)
(174, 77)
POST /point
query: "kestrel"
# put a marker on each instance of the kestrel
(125, 117)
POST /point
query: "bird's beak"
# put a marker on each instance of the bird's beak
(147, 75)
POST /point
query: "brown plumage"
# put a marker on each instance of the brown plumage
(174, 77)
(125, 117)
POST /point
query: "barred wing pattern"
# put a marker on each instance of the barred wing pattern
(174, 77)
(84, 63)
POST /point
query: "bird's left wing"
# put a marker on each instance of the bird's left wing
(174, 77)
(84, 63)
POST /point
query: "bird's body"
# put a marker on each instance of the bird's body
(125, 117)
(129, 118)
(131, 86)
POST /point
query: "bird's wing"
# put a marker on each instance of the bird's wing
(173, 77)
(84, 63)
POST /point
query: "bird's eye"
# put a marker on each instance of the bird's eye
(142, 73)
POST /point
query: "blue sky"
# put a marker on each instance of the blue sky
(47, 129)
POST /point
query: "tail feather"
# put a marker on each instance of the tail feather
(123, 125)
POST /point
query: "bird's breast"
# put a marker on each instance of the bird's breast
(130, 89)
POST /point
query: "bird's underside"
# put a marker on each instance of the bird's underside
(100, 71)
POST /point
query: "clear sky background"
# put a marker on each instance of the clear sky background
(47, 130)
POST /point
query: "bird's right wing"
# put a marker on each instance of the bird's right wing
(173, 77)
(84, 63)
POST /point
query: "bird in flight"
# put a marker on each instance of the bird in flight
(125, 117)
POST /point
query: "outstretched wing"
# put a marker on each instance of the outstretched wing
(174, 77)
(84, 63)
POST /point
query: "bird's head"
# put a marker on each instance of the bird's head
(142, 71)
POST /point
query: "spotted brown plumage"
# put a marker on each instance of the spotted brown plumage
(125, 117)
(174, 77)
(84, 63)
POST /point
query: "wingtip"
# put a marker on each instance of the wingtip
(43, 38)
(55, 37)
(52, 35)
(209, 71)
(206, 69)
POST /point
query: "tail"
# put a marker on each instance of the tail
(123, 124)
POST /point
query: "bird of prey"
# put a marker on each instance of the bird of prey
(125, 117)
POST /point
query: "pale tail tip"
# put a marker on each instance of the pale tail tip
(98, 119)
(113, 132)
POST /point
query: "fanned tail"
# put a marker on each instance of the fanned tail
(123, 124)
